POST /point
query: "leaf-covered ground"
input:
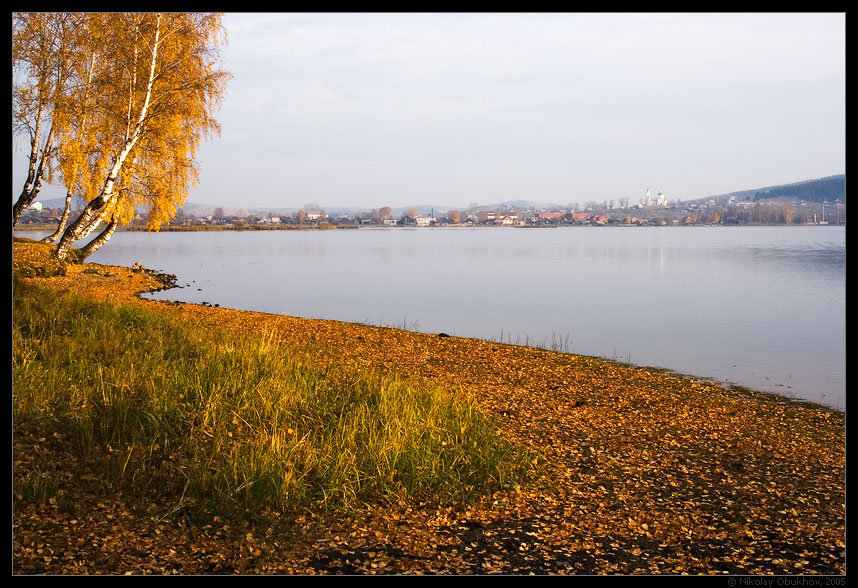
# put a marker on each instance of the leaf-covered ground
(644, 472)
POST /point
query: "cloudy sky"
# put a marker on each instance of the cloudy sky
(391, 109)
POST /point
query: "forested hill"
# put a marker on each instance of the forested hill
(824, 189)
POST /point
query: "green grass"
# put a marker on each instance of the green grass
(217, 424)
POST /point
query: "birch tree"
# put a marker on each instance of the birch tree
(77, 144)
(155, 85)
(43, 54)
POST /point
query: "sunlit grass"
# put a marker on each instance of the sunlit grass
(217, 423)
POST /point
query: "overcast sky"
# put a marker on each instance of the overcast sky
(448, 109)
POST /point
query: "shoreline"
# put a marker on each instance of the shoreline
(649, 471)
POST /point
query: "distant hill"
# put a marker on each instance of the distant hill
(189, 208)
(830, 189)
(193, 209)
(77, 203)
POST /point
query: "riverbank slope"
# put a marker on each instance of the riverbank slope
(645, 472)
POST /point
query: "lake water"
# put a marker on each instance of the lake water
(763, 307)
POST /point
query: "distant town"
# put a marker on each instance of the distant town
(818, 202)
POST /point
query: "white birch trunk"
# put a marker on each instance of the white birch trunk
(34, 171)
(65, 218)
(34, 154)
(82, 223)
(96, 243)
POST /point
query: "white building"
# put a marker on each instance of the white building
(660, 200)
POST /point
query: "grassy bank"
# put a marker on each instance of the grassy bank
(233, 426)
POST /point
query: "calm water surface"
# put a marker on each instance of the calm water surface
(763, 307)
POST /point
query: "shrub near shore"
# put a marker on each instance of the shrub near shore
(232, 426)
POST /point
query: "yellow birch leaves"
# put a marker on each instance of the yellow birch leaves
(141, 96)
